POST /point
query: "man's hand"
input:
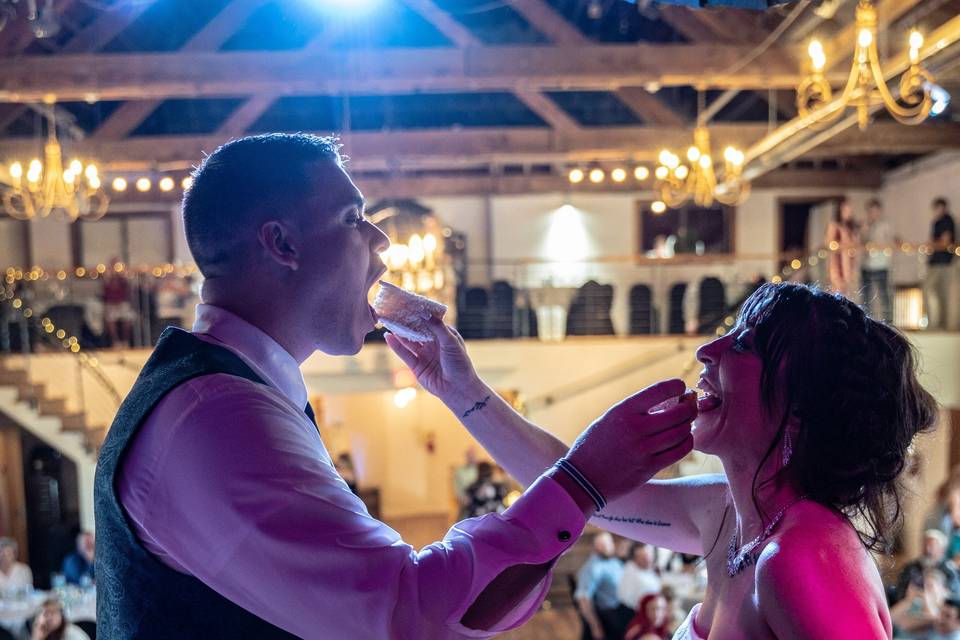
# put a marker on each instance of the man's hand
(442, 367)
(630, 443)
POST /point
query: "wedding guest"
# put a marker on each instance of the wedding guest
(842, 238)
(933, 557)
(50, 624)
(78, 567)
(940, 285)
(219, 512)
(947, 625)
(485, 495)
(639, 578)
(596, 594)
(652, 620)
(14, 575)
(877, 234)
(463, 478)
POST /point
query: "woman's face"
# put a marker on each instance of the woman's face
(733, 421)
(657, 611)
(49, 618)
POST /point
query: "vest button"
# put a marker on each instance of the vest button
(563, 536)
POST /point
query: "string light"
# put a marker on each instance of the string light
(144, 184)
(597, 176)
(575, 176)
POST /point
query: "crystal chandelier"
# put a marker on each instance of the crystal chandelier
(679, 182)
(45, 186)
(866, 85)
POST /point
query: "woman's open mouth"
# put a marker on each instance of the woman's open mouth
(707, 398)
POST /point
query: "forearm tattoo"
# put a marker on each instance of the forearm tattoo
(477, 406)
(628, 520)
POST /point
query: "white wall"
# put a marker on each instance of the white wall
(907, 194)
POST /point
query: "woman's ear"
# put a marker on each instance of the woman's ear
(278, 241)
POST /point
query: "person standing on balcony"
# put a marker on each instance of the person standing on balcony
(219, 512)
(842, 240)
(939, 288)
(875, 270)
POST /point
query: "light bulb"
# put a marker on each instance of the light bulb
(681, 172)
(119, 184)
(641, 173)
(416, 249)
(673, 161)
(76, 167)
(865, 38)
(429, 243)
(94, 182)
(90, 171)
(576, 176)
(16, 170)
(35, 166)
(618, 175)
(597, 176)
(916, 39)
(69, 176)
(661, 173)
(705, 162)
(143, 185)
(693, 154)
(658, 207)
(187, 183)
(166, 184)
(664, 158)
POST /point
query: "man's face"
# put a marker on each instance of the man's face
(874, 213)
(338, 262)
(949, 620)
(938, 210)
(933, 548)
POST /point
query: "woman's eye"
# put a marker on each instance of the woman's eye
(739, 345)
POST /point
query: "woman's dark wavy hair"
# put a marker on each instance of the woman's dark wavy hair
(851, 384)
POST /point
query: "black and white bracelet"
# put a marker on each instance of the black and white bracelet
(567, 467)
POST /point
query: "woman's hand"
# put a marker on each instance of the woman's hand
(442, 367)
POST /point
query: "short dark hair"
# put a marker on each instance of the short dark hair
(874, 203)
(953, 602)
(940, 202)
(237, 183)
(852, 384)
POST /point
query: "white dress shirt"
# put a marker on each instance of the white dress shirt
(229, 481)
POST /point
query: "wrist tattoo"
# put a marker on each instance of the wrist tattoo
(477, 406)
(651, 523)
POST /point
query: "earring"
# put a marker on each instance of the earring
(787, 447)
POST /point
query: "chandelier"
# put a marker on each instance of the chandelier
(866, 85)
(415, 259)
(46, 186)
(696, 179)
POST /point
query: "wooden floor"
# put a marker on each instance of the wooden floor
(557, 623)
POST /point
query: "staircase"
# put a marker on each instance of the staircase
(34, 398)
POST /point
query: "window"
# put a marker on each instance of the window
(687, 230)
(134, 238)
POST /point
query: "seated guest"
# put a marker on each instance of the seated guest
(14, 575)
(51, 625)
(914, 615)
(485, 495)
(79, 564)
(597, 584)
(639, 579)
(933, 557)
(652, 619)
(947, 626)
(675, 611)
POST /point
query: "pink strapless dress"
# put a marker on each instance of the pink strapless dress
(687, 630)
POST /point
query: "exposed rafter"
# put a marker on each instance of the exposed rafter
(448, 148)
(444, 23)
(223, 25)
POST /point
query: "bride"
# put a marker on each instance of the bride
(810, 406)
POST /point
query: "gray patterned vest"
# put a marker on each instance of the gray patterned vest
(137, 595)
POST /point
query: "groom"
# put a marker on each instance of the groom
(219, 512)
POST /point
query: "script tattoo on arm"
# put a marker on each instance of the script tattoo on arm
(645, 521)
(477, 406)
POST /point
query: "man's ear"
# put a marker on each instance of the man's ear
(277, 240)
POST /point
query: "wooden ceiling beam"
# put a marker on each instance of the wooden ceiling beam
(444, 23)
(211, 37)
(544, 19)
(396, 70)
(106, 27)
(448, 148)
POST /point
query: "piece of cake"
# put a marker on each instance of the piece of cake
(405, 313)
